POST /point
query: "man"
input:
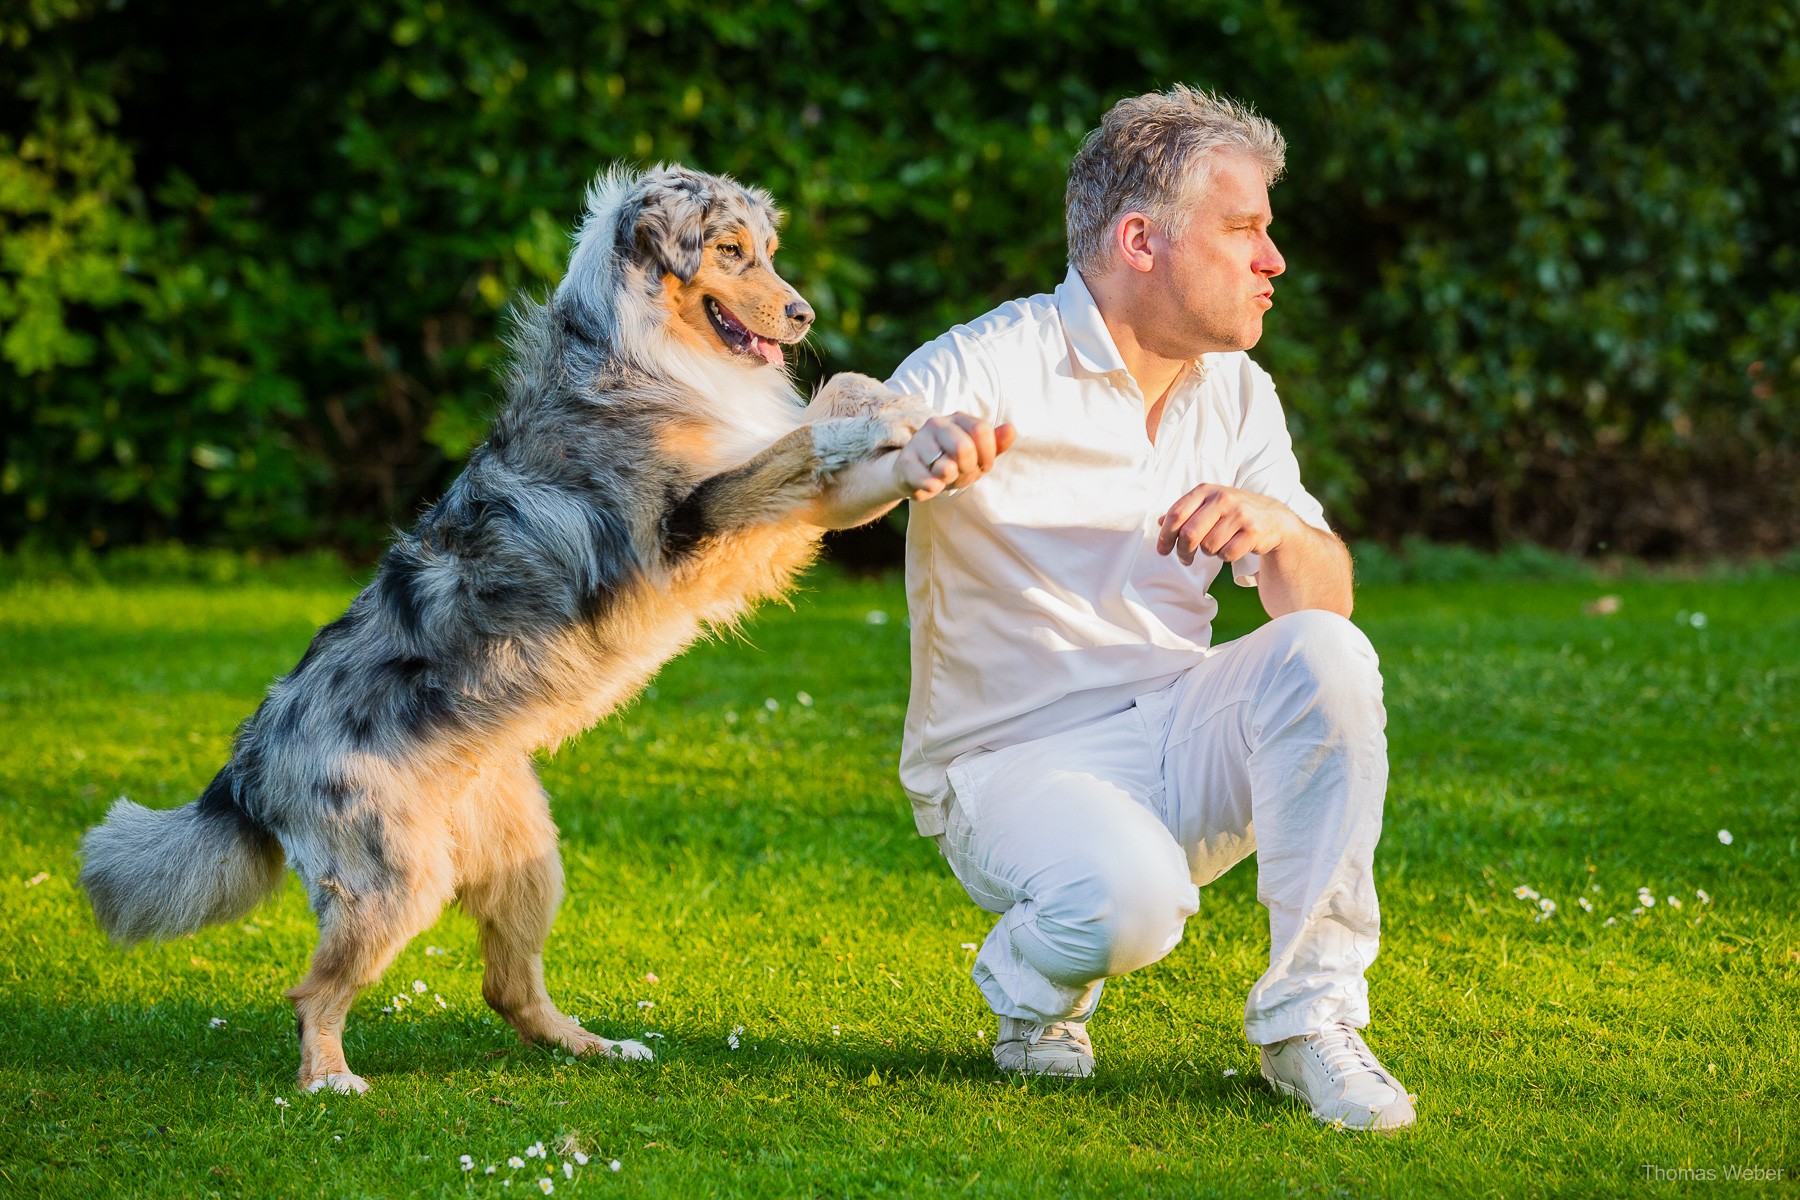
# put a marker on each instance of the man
(1082, 754)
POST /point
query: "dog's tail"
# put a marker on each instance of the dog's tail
(163, 873)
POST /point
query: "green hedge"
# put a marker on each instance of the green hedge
(1544, 281)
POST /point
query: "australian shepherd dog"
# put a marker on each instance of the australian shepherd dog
(649, 476)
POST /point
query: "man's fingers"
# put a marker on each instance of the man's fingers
(950, 452)
(982, 434)
(1238, 545)
(1178, 514)
(1195, 531)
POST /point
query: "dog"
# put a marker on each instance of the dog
(647, 478)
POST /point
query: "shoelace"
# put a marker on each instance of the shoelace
(1061, 1031)
(1342, 1051)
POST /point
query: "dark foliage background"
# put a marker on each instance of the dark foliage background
(1544, 255)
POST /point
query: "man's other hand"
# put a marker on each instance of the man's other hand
(1226, 523)
(948, 452)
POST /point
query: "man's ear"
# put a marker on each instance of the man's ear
(1131, 238)
(669, 228)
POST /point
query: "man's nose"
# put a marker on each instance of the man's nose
(799, 311)
(1270, 262)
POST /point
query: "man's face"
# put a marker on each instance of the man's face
(1209, 290)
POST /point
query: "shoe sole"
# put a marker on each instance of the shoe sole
(1074, 1071)
(1294, 1093)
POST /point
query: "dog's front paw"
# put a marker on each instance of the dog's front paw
(345, 1082)
(844, 440)
(904, 415)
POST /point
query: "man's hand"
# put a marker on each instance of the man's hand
(955, 450)
(1226, 523)
(952, 451)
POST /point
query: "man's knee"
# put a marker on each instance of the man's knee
(1113, 913)
(1327, 656)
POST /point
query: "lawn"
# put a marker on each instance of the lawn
(745, 882)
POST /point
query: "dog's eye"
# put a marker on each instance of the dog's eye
(730, 250)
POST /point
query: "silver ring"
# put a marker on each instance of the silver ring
(934, 460)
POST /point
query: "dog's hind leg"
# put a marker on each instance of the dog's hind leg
(513, 882)
(368, 911)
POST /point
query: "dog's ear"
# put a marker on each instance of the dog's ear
(668, 229)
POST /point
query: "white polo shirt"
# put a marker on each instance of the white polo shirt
(1038, 600)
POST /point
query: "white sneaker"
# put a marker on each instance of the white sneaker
(1058, 1048)
(1334, 1073)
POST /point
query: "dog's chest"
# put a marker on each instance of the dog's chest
(600, 668)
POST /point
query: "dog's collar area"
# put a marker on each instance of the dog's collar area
(738, 338)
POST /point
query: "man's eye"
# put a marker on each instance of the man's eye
(730, 250)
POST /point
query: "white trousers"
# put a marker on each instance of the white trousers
(1092, 844)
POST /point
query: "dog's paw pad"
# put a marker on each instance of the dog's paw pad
(629, 1051)
(342, 1081)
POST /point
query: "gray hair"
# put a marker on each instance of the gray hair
(1152, 154)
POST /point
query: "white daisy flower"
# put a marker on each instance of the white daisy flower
(1702, 896)
(491, 1169)
(970, 946)
(581, 1159)
(646, 1004)
(875, 617)
(1525, 893)
(216, 1023)
(1637, 912)
(280, 1102)
(772, 704)
(1612, 920)
(419, 986)
(650, 1034)
(1229, 1072)
(1698, 620)
(835, 1031)
(40, 877)
(568, 1170)
(651, 978)
(804, 700)
(731, 1039)
(441, 1002)
(1674, 902)
(1725, 836)
(546, 1187)
(1547, 905)
(1586, 904)
(467, 1161)
(616, 1165)
(515, 1162)
(434, 950)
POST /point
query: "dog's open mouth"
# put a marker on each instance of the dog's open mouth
(737, 338)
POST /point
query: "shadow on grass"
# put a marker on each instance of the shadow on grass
(81, 1048)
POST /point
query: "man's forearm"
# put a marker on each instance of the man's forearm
(1311, 570)
(860, 493)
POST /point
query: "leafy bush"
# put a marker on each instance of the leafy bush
(1544, 280)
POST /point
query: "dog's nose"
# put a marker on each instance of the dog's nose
(800, 311)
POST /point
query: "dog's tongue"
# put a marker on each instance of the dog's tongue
(770, 350)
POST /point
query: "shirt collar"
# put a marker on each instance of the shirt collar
(1090, 341)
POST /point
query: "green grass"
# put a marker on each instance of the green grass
(755, 854)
